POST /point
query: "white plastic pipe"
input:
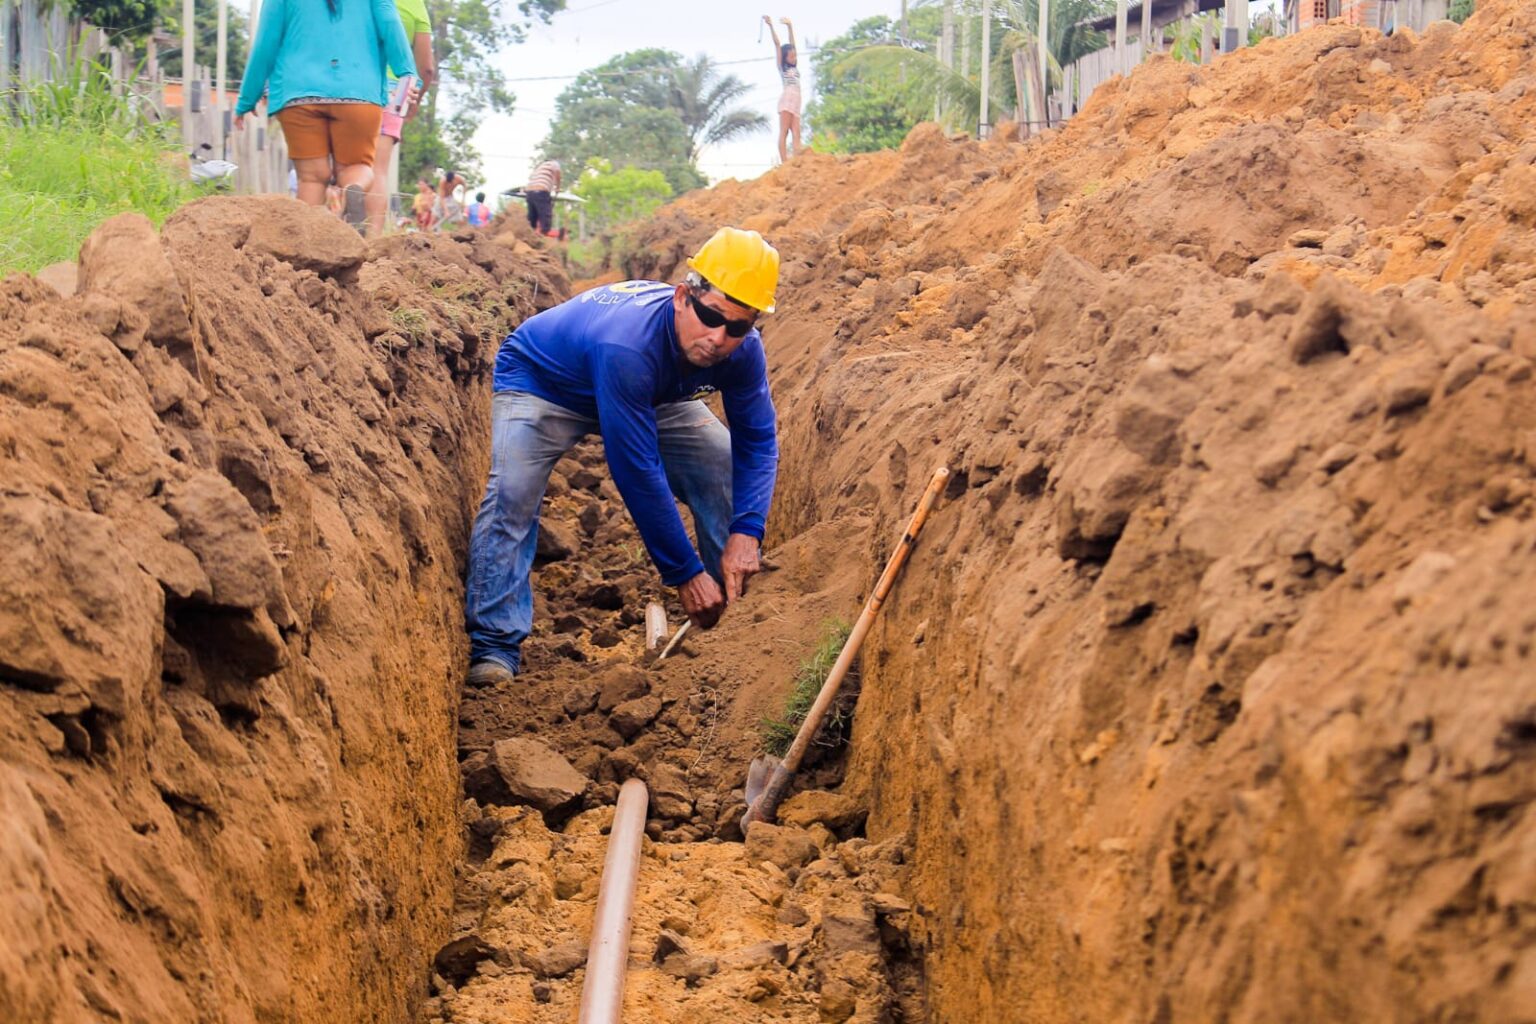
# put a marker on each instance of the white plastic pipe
(655, 625)
(602, 994)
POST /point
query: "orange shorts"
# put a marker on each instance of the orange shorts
(346, 131)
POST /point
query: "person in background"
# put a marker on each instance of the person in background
(540, 196)
(423, 204)
(449, 209)
(418, 32)
(322, 68)
(478, 214)
(789, 99)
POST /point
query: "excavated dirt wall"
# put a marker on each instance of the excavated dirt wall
(1210, 693)
(237, 473)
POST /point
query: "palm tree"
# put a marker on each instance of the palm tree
(702, 98)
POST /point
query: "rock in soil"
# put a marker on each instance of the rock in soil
(534, 774)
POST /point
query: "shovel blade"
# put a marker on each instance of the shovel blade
(758, 773)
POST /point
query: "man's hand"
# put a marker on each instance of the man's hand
(738, 562)
(702, 600)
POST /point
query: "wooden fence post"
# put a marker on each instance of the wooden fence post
(1120, 19)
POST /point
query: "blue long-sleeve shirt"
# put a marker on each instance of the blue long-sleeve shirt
(302, 50)
(611, 354)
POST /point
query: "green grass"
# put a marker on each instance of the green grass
(72, 155)
(778, 733)
(412, 324)
(586, 259)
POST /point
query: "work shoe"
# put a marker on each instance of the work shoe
(488, 673)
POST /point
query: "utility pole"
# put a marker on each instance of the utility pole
(986, 68)
(1045, 66)
(947, 36)
(1120, 54)
(1146, 28)
(1235, 31)
(965, 46)
(946, 54)
(220, 103)
(188, 73)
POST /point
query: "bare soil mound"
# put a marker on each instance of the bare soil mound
(1210, 693)
(237, 468)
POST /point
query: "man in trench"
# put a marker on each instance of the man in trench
(631, 362)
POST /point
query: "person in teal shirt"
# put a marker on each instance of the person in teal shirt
(322, 68)
(418, 32)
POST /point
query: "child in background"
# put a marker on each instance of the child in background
(478, 213)
(426, 198)
(789, 99)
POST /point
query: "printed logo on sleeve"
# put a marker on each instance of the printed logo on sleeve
(614, 294)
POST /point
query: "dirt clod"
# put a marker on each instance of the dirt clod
(536, 775)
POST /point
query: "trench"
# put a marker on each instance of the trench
(1216, 703)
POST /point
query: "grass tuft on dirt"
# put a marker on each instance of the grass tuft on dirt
(779, 732)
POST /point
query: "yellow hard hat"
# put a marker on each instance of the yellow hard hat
(740, 264)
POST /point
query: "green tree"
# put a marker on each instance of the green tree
(466, 36)
(643, 137)
(640, 78)
(126, 21)
(617, 197)
(704, 98)
(206, 41)
(447, 143)
(1461, 10)
(853, 112)
(917, 80)
(652, 110)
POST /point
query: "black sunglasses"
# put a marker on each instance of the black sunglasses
(713, 318)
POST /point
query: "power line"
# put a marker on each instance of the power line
(625, 73)
(625, 163)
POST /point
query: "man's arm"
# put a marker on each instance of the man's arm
(621, 380)
(620, 383)
(754, 444)
(754, 469)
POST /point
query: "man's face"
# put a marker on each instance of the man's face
(702, 345)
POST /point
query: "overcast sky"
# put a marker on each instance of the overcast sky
(595, 30)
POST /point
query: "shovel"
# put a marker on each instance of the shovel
(768, 778)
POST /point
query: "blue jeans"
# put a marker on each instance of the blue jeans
(528, 436)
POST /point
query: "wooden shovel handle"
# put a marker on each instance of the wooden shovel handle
(767, 804)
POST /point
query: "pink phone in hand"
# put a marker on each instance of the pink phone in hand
(400, 102)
